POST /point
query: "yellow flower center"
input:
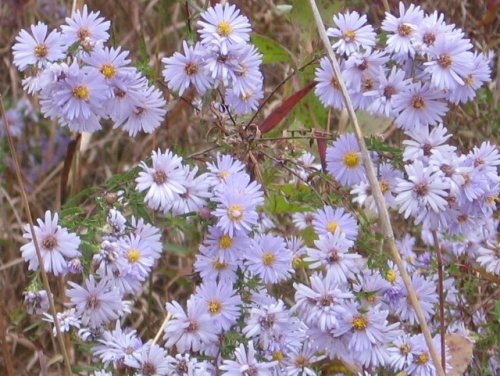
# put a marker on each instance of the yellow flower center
(423, 358)
(41, 50)
(235, 212)
(278, 355)
(349, 35)
(220, 265)
(469, 80)
(332, 226)
(81, 92)
(384, 187)
(391, 276)
(359, 323)
(223, 174)
(224, 29)
(133, 255)
(351, 159)
(269, 258)
(215, 307)
(108, 71)
(225, 242)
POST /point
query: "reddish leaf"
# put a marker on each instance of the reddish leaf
(284, 109)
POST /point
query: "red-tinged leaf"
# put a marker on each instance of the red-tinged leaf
(213, 2)
(321, 140)
(280, 113)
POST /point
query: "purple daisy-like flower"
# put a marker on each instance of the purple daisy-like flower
(222, 302)
(360, 66)
(429, 31)
(331, 251)
(237, 201)
(425, 290)
(146, 112)
(224, 166)
(474, 79)
(182, 70)
(418, 106)
(244, 103)
(37, 48)
(423, 191)
(163, 181)
(247, 77)
(56, 244)
(385, 91)
(212, 268)
(451, 61)
(425, 142)
(225, 247)
(321, 303)
(402, 29)
(329, 220)
(223, 25)
(96, 303)
(327, 87)
(191, 330)
(153, 360)
(352, 33)
(85, 28)
(246, 363)
(112, 63)
(344, 162)
(269, 258)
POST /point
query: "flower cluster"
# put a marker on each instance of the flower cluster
(81, 82)
(223, 58)
(424, 63)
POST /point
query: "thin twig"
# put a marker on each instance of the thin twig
(387, 8)
(163, 324)
(24, 199)
(377, 194)
(442, 329)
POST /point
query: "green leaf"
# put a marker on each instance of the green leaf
(273, 51)
(176, 248)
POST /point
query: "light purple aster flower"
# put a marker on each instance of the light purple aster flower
(212, 268)
(387, 87)
(37, 49)
(112, 63)
(366, 329)
(421, 360)
(402, 29)
(429, 31)
(321, 304)
(474, 79)
(331, 252)
(225, 165)
(146, 113)
(85, 28)
(196, 195)
(184, 364)
(330, 220)
(246, 363)
(56, 244)
(237, 201)
(423, 191)
(190, 330)
(225, 247)
(96, 303)
(302, 220)
(344, 162)
(486, 160)
(425, 290)
(352, 33)
(269, 258)
(419, 106)
(153, 360)
(247, 76)
(488, 256)
(359, 66)
(425, 142)
(451, 62)
(223, 25)
(119, 347)
(221, 302)
(137, 256)
(244, 103)
(182, 70)
(327, 88)
(163, 181)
